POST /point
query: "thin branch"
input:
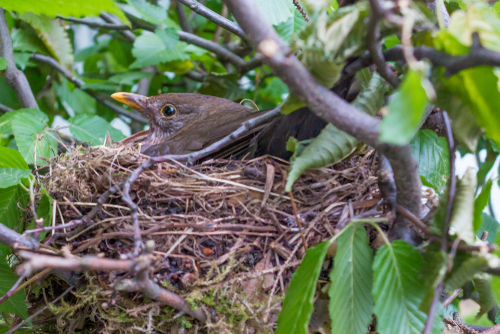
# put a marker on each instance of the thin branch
(326, 104)
(373, 30)
(81, 84)
(129, 35)
(433, 309)
(301, 10)
(14, 77)
(477, 56)
(183, 20)
(214, 17)
(96, 25)
(452, 297)
(4, 108)
(452, 184)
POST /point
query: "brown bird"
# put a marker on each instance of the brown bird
(183, 122)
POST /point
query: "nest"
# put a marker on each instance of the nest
(225, 233)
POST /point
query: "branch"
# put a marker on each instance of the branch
(15, 78)
(183, 20)
(96, 25)
(80, 84)
(326, 104)
(373, 30)
(214, 17)
(301, 10)
(222, 53)
(477, 56)
(4, 108)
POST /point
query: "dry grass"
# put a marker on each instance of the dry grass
(225, 233)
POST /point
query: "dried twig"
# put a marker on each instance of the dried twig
(301, 10)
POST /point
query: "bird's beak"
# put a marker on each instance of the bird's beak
(134, 101)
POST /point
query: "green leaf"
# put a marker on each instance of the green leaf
(431, 153)
(93, 129)
(397, 289)
(351, 301)
(276, 11)
(298, 304)
(54, 36)
(10, 158)
(291, 26)
(333, 145)
(129, 78)
(12, 176)
(75, 101)
(480, 203)
(482, 283)
(149, 12)
(150, 49)
(314, 6)
(466, 272)
(3, 64)
(463, 207)
(32, 136)
(16, 304)
(77, 8)
(406, 109)
(9, 212)
(432, 273)
(44, 210)
(490, 225)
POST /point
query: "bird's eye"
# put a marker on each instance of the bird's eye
(168, 111)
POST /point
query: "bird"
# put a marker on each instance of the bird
(182, 123)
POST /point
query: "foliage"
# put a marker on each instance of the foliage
(396, 282)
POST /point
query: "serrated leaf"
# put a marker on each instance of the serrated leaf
(6, 120)
(466, 272)
(276, 11)
(75, 101)
(16, 304)
(406, 109)
(482, 283)
(12, 176)
(77, 8)
(93, 129)
(397, 290)
(291, 26)
(351, 301)
(463, 207)
(54, 36)
(431, 153)
(480, 203)
(333, 145)
(298, 304)
(150, 49)
(3, 64)
(32, 136)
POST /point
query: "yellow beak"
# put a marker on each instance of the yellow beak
(134, 101)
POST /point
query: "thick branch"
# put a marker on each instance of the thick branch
(478, 56)
(79, 83)
(15, 78)
(214, 17)
(326, 104)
